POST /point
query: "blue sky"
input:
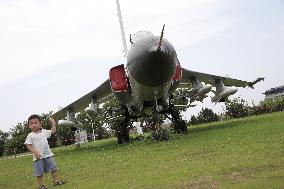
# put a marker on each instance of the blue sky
(55, 51)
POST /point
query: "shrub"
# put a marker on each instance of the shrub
(240, 108)
(268, 105)
(237, 108)
(193, 120)
(206, 115)
(260, 109)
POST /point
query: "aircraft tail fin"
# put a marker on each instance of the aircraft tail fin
(121, 29)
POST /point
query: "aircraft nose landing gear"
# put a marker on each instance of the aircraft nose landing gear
(160, 133)
(179, 124)
(159, 130)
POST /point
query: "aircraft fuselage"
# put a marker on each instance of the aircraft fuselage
(151, 71)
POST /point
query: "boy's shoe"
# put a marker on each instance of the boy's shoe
(42, 187)
(59, 182)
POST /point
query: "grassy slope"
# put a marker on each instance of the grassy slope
(243, 153)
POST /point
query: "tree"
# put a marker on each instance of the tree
(111, 110)
(64, 136)
(3, 139)
(18, 136)
(90, 122)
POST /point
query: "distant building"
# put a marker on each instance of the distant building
(274, 92)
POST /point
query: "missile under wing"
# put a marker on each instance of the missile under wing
(100, 94)
(225, 86)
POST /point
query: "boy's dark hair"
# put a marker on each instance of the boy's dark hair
(34, 116)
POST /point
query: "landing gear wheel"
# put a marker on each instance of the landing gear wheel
(122, 133)
(160, 135)
(119, 137)
(182, 126)
(179, 124)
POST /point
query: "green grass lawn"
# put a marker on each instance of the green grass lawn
(242, 153)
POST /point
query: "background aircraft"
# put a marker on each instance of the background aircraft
(145, 86)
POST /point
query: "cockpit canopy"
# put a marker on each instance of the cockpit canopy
(141, 35)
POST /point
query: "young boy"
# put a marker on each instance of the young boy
(37, 143)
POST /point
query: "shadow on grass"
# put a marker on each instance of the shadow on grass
(222, 125)
(91, 146)
(102, 145)
(111, 144)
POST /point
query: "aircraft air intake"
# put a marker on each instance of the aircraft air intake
(178, 72)
(118, 79)
(149, 66)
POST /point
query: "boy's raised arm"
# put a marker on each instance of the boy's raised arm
(53, 125)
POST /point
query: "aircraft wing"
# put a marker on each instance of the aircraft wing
(188, 75)
(101, 94)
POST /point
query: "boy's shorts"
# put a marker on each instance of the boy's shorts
(44, 165)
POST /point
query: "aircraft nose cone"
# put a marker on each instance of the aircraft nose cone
(154, 67)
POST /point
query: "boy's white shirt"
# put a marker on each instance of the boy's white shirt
(40, 143)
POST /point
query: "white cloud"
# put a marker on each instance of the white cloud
(36, 34)
(76, 38)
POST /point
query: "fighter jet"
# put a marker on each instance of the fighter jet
(145, 86)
